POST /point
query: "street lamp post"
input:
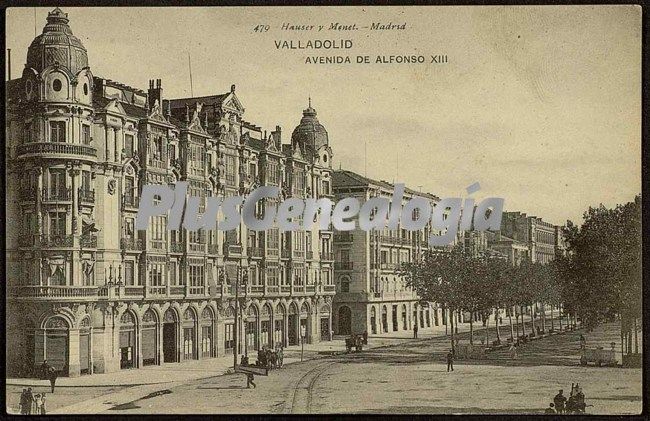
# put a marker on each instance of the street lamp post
(236, 325)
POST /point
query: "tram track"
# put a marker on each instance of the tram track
(302, 392)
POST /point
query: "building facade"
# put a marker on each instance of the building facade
(89, 293)
(541, 238)
(371, 295)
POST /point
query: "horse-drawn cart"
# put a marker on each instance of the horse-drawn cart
(354, 341)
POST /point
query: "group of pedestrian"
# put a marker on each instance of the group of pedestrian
(574, 404)
(32, 404)
(266, 357)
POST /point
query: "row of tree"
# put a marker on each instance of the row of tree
(599, 277)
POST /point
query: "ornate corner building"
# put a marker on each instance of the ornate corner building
(89, 293)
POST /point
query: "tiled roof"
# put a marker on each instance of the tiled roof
(205, 100)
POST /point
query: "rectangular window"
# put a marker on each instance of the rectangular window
(57, 182)
(229, 343)
(57, 223)
(85, 134)
(230, 169)
(129, 145)
(272, 174)
(57, 131)
(129, 278)
(326, 187)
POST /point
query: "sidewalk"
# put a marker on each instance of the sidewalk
(199, 369)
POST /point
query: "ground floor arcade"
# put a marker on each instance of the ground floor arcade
(104, 337)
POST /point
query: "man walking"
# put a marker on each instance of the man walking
(559, 401)
(249, 381)
(45, 367)
(415, 330)
(52, 376)
(450, 361)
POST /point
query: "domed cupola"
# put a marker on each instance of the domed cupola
(57, 45)
(309, 134)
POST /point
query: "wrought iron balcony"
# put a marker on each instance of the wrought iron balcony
(87, 196)
(88, 241)
(329, 288)
(233, 249)
(62, 194)
(57, 240)
(131, 244)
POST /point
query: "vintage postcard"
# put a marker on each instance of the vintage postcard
(323, 210)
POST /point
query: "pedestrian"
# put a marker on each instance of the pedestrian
(36, 409)
(450, 360)
(45, 369)
(23, 402)
(415, 331)
(244, 361)
(52, 376)
(281, 356)
(583, 342)
(43, 406)
(550, 409)
(249, 381)
(559, 400)
(29, 401)
(365, 337)
(513, 351)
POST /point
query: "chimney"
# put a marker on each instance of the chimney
(155, 92)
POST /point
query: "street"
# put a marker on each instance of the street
(410, 377)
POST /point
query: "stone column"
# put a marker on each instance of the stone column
(74, 363)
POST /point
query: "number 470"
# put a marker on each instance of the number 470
(262, 28)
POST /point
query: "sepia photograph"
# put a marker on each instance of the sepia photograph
(324, 210)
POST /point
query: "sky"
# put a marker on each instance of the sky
(539, 104)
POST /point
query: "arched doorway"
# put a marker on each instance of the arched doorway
(127, 340)
(170, 322)
(293, 324)
(266, 333)
(148, 334)
(279, 318)
(345, 320)
(189, 334)
(373, 320)
(384, 319)
(56, 343)
(207, 333)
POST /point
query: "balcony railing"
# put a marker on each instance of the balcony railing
(57, 240)
(134, 291)
(59, 148)
(343, 237)
(299, 254)
(327, 257)
(157, 244)
(213, 248)
(177, 290)
(63, 194)
(329, 288)
(131, 244)
(285, 254)
(310, 288)
(197, 290)
(273, 289)
(87, 196)
(88, 241)
(156, 290)
(53, 291)
(285, 288)
(233, 249)
(198, 247)
(255, 251)
(343, 265)
(257, 289)
(176, 247)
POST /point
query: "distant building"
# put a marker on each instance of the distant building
(514, 251)
(539, 236)
(370, 294)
